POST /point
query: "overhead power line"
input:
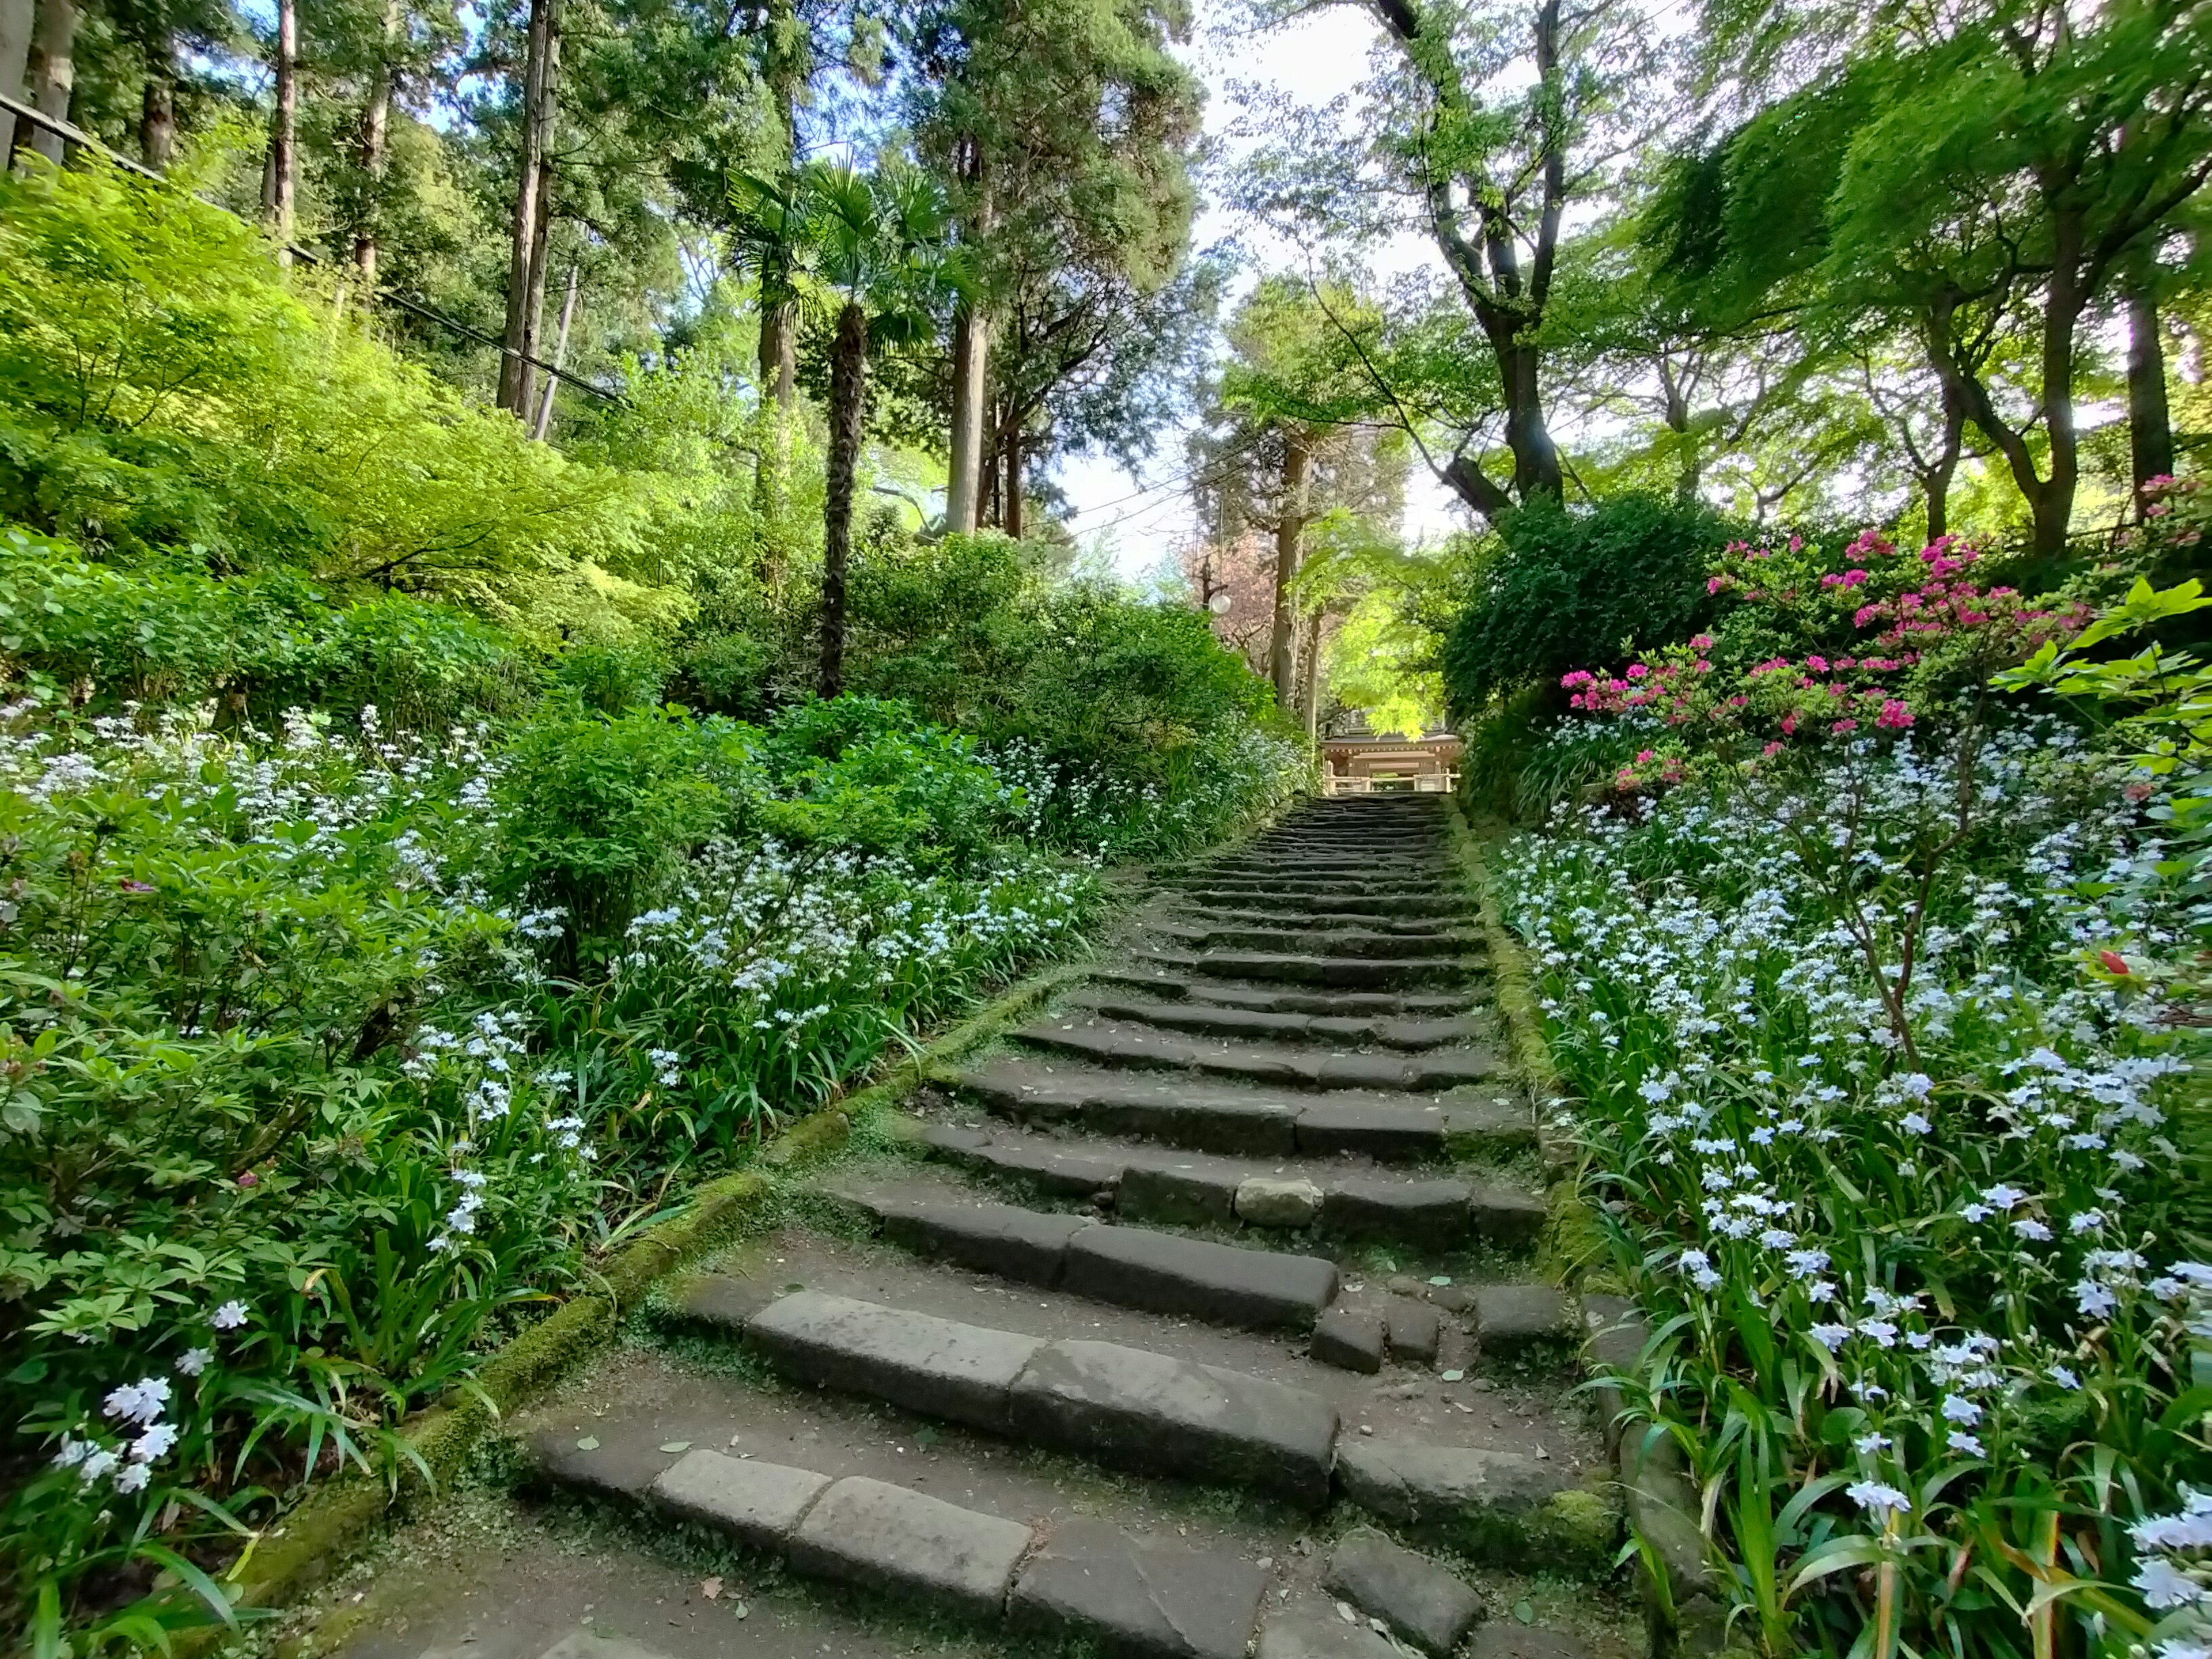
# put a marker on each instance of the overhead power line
(75, 135)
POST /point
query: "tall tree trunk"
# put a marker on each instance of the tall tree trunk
(540, 105)
(54, 72)
(1290, 525)
(284, 130)
(372, 152)
(18, 18)
(540, 245)
(157, 107)
(1014, 519)
(848, 407)
(560, 361)
(2150, 427)
(971, 349)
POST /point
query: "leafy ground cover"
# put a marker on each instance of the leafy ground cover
(1885, 1040)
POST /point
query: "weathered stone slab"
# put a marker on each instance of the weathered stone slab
(1348, 1340)
(936, 1366)
(1070, 1172)
(1392, 1133)
(1513, 1318)
(1500, 1504)
(1314, 1633)
(890, 1540)
(1427, 1213)
(1183, 1195)
(1507, 1217)
(1028, 1246)
(1413, 1330)
(722, 1300)
(1278, 1201)
(1092, 1582)
(1149, 1413)
(1166, 1272)
(1412, 1594)
(1208, 1117)
(758, 1504)
(624, 1469)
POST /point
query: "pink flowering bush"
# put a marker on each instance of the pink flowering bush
(1915, 632)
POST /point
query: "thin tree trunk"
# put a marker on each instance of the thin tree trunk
(54, 72)
(848, 396)
(18, 18)
(284, 130)
(374, 155)
(560, 361)
(2150, 426)
(157, 107)
(1311, 695)
(1013, 519)
(971, 350)
(1290, 525)
(540, 93)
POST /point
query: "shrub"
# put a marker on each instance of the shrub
(599, 813)
(257, 644)
(1568, 587)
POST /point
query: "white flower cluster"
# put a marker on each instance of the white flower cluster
(137, 1411)
(1799, 1118)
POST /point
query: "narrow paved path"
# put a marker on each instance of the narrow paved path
(1199, 1322)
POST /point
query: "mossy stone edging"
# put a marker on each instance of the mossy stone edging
(330, 1525)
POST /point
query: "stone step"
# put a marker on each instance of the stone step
(1451, 944)
(1209, 1020)
(1332, 1198)
(1083, 1580)
(1339, 973)
(1219, 1117)
(1246, 913)
(1412, 873)
(1131, 1267)
(1238, 896)
(1276, 999)
(1124, 1407)
(1158, 1414)
(1294, 896)
(1126, 1044)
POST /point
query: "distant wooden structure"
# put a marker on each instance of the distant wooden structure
(1355, 761)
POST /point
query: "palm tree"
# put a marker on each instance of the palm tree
(879, 243)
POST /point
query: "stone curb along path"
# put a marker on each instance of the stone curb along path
(1249, 1209)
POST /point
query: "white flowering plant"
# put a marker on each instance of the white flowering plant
(1888, 1137)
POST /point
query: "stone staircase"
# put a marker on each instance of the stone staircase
(1198, 1321)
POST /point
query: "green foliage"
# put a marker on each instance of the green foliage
(601, 812)
(1566, 588)
(257, 644)
(163, 391)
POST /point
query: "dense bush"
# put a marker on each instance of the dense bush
(255, 644)
(1569, 586)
